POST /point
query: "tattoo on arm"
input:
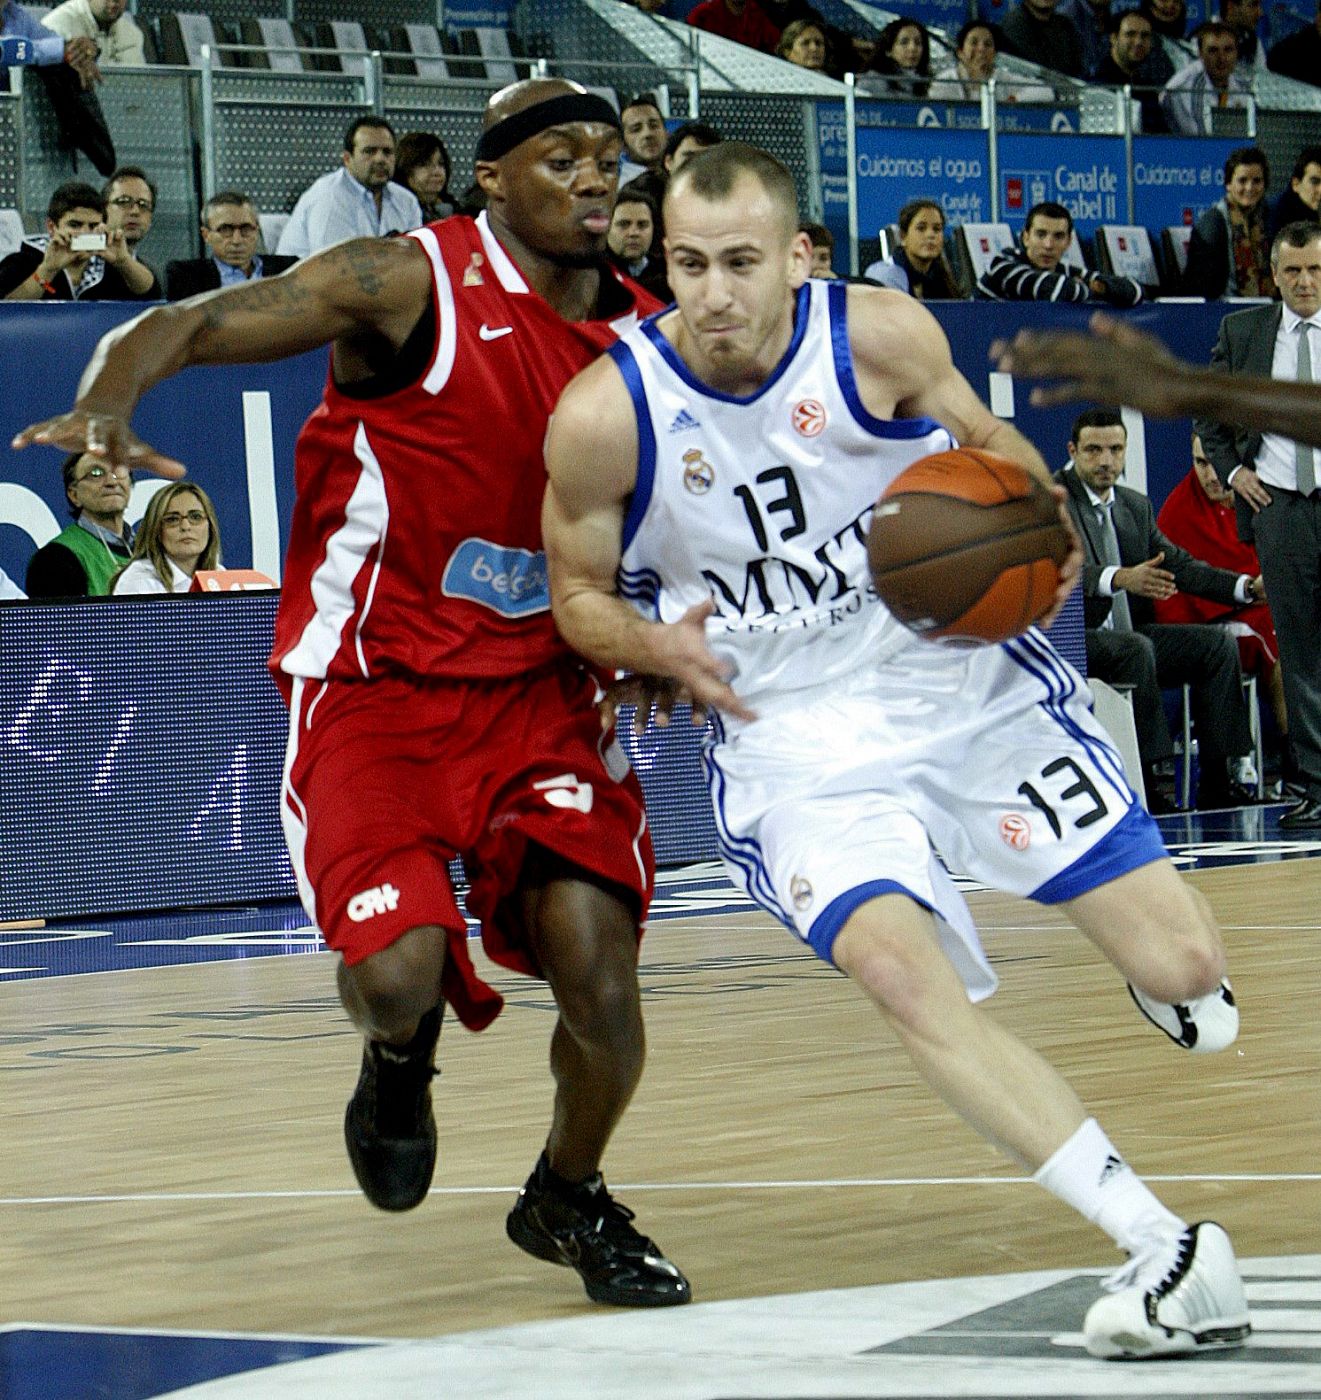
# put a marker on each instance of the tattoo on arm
(276, 296)
(367, 261)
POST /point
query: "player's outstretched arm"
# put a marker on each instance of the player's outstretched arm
(369, 288)
(1116, 363)
(592, 463)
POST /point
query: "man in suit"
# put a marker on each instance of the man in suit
(230, 231)
(1129, 563)
(1274, 480)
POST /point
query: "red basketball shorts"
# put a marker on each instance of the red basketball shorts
(386, 781)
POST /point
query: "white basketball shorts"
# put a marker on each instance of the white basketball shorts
(989, 756)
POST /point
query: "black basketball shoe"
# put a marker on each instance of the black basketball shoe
(585, 1228)
(389, 1128)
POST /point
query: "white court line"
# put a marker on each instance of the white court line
(849, 1183)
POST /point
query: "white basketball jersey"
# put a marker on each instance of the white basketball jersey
(762, 504)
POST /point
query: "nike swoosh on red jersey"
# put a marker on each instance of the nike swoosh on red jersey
(494, 332)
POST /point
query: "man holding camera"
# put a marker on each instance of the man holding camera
(76, 259)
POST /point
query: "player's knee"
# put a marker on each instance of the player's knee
(885, 965)
(397, 986)
(604, 1009)
(1187, 958)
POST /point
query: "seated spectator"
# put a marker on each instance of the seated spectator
(744, 21)
(1032, 30)
(1092, 19)
(106, 23)
(644, 139)
(1129, 563)
(178, 536)
(1169, 18)
(76, 259)
(919, 266)
(630, 242)
(10, 592)
(1229, 253)
(1129, 62)
(1301, 202)
(422, 164)
(1243, 17)
(1198, 515)
(823, 249)
(1211, 82)
(903, 59)
(1298, 55)
(130, 205)
(82, 559)
(975, 55)
(230, 230)
(803, 42)
(1037, 271)
(43, 47)
(359, 200)
(682, 144)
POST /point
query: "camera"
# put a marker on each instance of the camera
(87, 243)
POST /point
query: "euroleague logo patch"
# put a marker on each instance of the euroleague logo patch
(1015, 831)
(809, 418)
(699, 476)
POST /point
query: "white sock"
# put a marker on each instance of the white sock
(1088, 1174)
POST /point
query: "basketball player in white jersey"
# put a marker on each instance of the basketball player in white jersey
(716, 471)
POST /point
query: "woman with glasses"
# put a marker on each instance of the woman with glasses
(83, 558)
(178, 536)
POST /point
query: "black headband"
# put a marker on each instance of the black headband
(501, 138)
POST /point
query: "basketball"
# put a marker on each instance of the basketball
(965, 547)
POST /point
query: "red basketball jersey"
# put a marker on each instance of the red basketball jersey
(416, 544)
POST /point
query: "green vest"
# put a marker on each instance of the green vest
(100, 561)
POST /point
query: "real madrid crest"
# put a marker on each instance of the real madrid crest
(801, 892)
(699, 476)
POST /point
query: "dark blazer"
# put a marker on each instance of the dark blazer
(1245, 345)
(1139, 540)
(188, 276)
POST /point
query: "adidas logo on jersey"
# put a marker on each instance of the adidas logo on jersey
(683, 422)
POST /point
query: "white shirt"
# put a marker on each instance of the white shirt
(141, 577)
(1277, 460)
(337, 207)
(121, 43)
(1189, 98)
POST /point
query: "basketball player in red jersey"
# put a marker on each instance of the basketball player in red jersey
(434, 709)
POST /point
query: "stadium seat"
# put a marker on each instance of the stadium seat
(1126, 249)
(975, 245)
(1174, 245)
(493, 45)
(11, 231)
(272, 226)
(271, 35)
(423, 42)
(182, 35)
(349, 40)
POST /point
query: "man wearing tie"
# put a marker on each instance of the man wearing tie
(1129, 562)
(1274, 481)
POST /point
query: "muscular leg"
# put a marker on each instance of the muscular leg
(387, 994)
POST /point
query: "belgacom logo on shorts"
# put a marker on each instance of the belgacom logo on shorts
(381, 899)
(1015, 831)
(800, 891)
(699, 476)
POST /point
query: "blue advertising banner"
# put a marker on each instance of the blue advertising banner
(1176, 179)
(894, 166)
(477, 14)
(1086, 174)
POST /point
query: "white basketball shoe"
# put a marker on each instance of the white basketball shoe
(1178, 1297)
(1202, 1025)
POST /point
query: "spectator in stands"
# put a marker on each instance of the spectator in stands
(1229, 253)
(1092, 19)
(1169, 18)
(1243, 17)
(846, 52)
(975, 55)
(919, 266)
(903, 58)
(1037, 271)
(631, 243)
(178, 536)
(44, 48)
(823, 249)
(422, 164)
(1298, 55)
(130, 205)
(1211, 82)
(1198, 515)
(1128, 565)
(77, 258)
(106, 23)
(744, 21)
(1129, 61)
(803, 42)
(1032, 30)
(82, 559)
(359, 200)
(682, 144)
(644, 139)
(230, 230)
(1301, 202)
